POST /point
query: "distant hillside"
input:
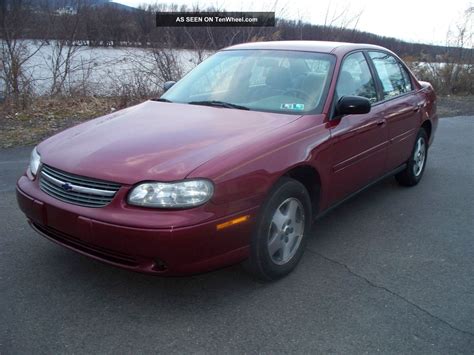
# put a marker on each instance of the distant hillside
(57, 4)
(75, 4)
(105, 23)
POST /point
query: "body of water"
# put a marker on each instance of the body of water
(100, 71)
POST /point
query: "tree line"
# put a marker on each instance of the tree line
(99, 23)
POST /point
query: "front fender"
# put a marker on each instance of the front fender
(244, 176)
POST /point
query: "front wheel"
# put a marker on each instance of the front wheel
(417, 162)
(279, 239)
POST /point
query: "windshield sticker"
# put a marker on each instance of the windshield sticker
(296, 107)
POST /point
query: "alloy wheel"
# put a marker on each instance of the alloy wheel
(286, 231)
(419, 156)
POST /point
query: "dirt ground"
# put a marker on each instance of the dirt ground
(46, 117)
(450, 106)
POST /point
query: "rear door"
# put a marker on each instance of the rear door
(402, 110)
(358, 147)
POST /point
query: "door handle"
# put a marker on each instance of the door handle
(416, 108)
(381, 122)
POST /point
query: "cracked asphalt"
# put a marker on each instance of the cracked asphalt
(389, 271)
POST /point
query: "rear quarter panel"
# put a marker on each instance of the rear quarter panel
(429, 110)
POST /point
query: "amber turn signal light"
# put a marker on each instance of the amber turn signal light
(233, 222)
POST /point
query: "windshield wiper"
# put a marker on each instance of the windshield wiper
(218, 104)
(161, 100)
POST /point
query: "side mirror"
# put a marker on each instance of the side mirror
(352, 105)
(168, 85)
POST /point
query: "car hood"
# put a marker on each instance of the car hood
(155, 140)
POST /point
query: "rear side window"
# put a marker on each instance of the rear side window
(395, 80)
(406, 77)
(355, 78)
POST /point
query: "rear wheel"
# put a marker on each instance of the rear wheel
(278, 242)
(417, 162)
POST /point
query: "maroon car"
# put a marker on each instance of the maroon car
(235, 161)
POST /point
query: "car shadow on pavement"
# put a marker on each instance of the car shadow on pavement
(73, 269)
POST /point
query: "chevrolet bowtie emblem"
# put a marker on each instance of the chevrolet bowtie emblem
(66, 187)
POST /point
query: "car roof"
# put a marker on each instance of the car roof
(308, 46)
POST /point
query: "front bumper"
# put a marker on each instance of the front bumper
(166, 251)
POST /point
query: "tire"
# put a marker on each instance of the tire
(417, 162)
(281, 231)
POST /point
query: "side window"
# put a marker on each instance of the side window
(355, 78)
(406, 78)
(395, 81)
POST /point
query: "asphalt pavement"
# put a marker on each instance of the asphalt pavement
(390, 271)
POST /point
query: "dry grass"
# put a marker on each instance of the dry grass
(46, 116)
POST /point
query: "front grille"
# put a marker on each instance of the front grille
(75, 189)
(79, 245)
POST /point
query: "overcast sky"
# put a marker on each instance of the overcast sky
(425, 21)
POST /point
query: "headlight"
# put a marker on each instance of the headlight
(183, 194)
(35, 161)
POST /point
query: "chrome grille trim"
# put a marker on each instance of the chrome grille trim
(76, 189)
(79, 180)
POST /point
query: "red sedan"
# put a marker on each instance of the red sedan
(235, 161)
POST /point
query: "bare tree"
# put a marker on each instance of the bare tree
(15, 50)
(64, 48)
(452, 72)
(459, 66)
(337, 19)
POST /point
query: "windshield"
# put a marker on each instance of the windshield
(261, 80)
